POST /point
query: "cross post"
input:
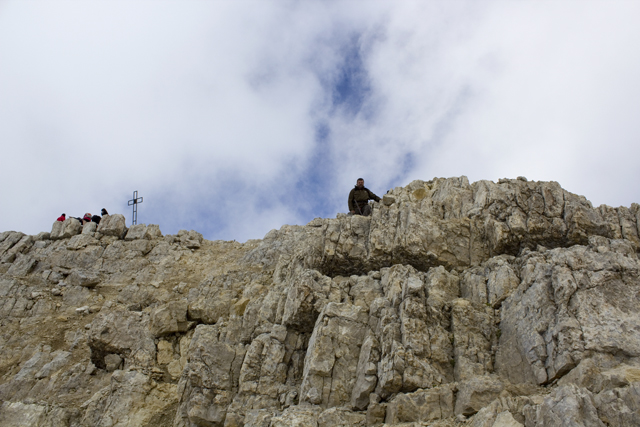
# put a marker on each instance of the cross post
(135, 202)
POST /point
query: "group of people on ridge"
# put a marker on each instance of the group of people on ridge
(359, 198)
(87, 218)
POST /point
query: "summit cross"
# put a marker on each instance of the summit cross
(135, 202)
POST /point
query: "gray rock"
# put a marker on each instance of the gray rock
(298, 416)
(112, 362)
(57, 229)
(65, 229)
(22, 266)
(131, 398)
(89, 228)
(568, 406)
(422, 405)
(170, 318)
(113, 225)
(591, 312)
(505, 419)
(143, 231)
(87, 279)
(18, 414)
(20, 247)
(476, 393)
(332, 355)
(60, 359)
(121, 332)
(341, 417)
(473, 332)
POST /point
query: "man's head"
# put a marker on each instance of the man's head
(360, 183)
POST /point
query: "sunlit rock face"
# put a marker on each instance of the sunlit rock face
(484, 304)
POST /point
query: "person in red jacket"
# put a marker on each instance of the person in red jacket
(62, 217)
(86, 218)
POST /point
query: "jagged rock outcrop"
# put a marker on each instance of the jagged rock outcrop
(488, 304)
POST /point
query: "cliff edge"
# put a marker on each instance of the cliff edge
(514, 303)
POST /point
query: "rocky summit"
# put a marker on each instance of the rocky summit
(488, 304)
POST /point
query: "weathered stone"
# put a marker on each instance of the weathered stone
(89, 228)
(209, 378)
(505, 419)
(22, 266)
(124, 333)
(298, 416)
(589, 291)
(88, 279)
(113, 225)
(332, 355)
(136, 231)
(341, 417)
(515, 407)
(475, 393)
(72, 227)
(473, 333)
(65, 229)
(60, 358)
(422, 405)
(20, 247)
(366, 379)
(568, 406)
(259, 418)
(190, 239)
(376, 411)
(170, 318)
(18, 414)
(112, 362)
(143, 231)
(131, 398)
(80, 241)
(619, 407)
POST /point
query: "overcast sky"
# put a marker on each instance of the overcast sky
(235, 117)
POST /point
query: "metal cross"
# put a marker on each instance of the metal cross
(135, 202)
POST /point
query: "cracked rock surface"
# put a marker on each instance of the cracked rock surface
(514, 303)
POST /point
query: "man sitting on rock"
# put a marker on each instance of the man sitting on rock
(359, 199)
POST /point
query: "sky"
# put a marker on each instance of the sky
(233, 118)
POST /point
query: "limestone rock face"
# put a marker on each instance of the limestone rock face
(112, 225)
(485, 304)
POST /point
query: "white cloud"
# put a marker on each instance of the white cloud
(213, 110)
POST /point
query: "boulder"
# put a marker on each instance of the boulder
(476, 393)
(65, 229)
(89, 228)
(143, 231)
(87, 279)
(421, 406)
(341, 417)
(124, 333)
(298, 416)
(170, 318)
(568, 406)
(131, 398)
(113, 225)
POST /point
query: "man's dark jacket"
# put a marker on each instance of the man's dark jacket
(360, 196)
